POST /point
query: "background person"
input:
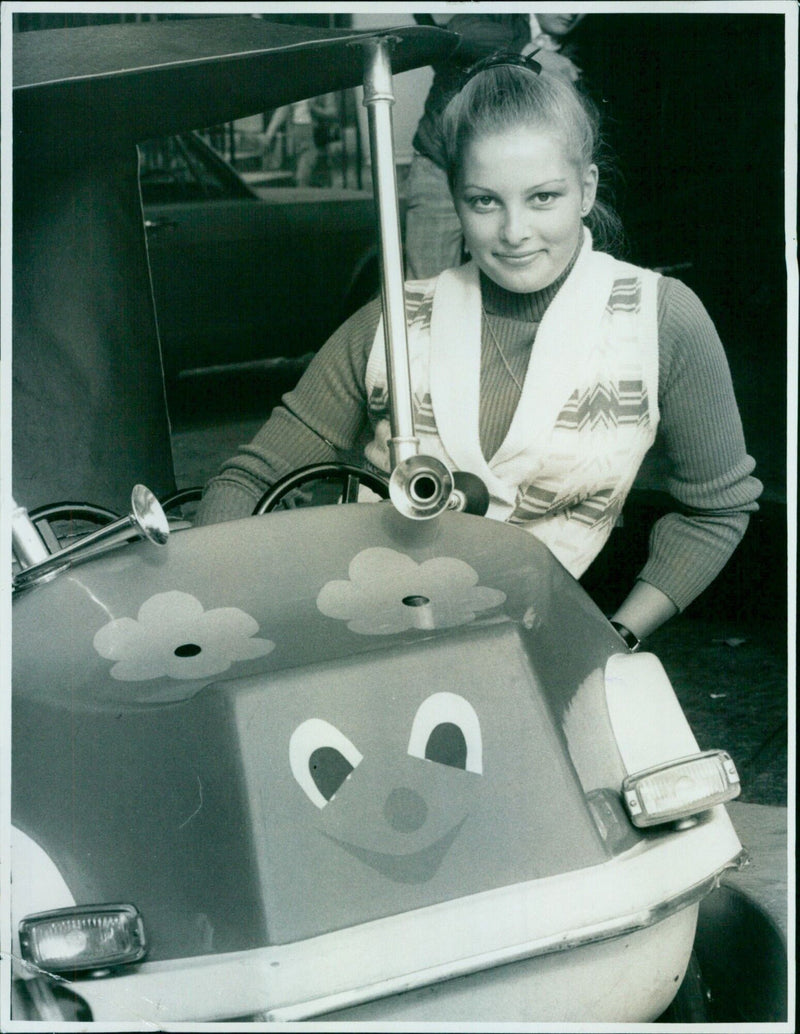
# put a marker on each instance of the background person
(307, 126)
(433, 237)
(544, 366)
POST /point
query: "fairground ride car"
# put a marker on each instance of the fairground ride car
(382, 761)
(225, 259)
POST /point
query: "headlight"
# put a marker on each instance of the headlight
(83, 937)
(679, 789)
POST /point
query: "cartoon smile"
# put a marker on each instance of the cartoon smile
(417, 867)
(445, 733)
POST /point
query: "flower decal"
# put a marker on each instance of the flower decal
(174, 637)
(390, 592)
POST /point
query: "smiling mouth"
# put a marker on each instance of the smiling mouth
(417, 867)
(518, 260)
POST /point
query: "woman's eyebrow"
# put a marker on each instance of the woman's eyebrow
(556, 182)
(549, 183)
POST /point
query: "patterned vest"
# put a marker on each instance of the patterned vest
(587, 414)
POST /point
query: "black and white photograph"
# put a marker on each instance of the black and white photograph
(398, 455)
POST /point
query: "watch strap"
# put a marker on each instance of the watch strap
(631, 641)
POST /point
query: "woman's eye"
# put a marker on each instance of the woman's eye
(544, 197)
(481, 203)
(446, 730)
(321, 758)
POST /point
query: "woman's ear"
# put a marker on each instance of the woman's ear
(589, 189)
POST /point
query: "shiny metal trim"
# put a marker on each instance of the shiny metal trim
(254, 970)
(145, 520)
(421, 487)
(403, 442)
(643, 819)
(618, 927)
(28, 545)
(378, 100)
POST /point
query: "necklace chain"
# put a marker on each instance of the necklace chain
(500, 352)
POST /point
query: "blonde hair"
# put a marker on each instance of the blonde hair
(503, 97)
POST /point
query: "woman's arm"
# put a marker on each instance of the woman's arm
(317, 421)
(644, 609)
(710, 473)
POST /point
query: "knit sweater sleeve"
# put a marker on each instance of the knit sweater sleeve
(709, 473)
(317, 422)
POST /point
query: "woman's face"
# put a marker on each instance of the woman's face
(520, 201)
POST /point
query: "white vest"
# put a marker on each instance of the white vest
(587, 414)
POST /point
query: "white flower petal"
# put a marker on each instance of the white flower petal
(170, 608)
(340, 599)
(376, 600)
(377, 564)
(205, 663)
(118, 638)
(449, 573)
(140, 668)
(175, 637)
(227, 621)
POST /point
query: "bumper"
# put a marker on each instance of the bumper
(623, 928)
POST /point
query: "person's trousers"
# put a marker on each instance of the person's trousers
(433, 238)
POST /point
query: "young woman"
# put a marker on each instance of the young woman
(543, 365)
(433, 237)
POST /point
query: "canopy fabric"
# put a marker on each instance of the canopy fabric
(156, 78)
(89, 412)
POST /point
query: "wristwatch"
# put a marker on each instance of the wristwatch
(631, 641)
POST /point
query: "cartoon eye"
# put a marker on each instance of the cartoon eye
(321, 758)
(446, 729)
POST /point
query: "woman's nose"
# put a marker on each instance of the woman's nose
(516, 226)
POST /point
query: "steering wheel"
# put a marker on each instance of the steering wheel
(73, 512)
(182, 497)
(350, 477)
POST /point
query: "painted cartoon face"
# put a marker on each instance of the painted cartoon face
(445, 730)
(521, 200)
(404, 777)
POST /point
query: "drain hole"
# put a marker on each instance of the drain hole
(416, 601)
(187, 650)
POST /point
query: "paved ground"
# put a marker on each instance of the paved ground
(763, 832)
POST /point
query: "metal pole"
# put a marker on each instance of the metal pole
(420, 486)
(378, 100)
(28, 545)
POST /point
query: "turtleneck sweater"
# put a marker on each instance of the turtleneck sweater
(709, 473)
(508, 333)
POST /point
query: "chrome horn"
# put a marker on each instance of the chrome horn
(145, 520)
(420, 486)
